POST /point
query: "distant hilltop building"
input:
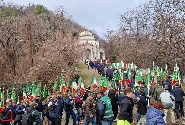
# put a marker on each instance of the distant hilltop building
(92, 50)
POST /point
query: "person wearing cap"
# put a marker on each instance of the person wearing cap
(106, 115)
(89, 110)
(126, 116)
(54, 111)
(158, 91)
(178, 94)
(167, 100)
(69, 105)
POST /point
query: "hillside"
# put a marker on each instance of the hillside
(37, 44)
(87, 74)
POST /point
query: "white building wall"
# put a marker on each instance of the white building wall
(87, 39)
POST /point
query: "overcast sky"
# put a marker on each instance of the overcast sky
(97, 15)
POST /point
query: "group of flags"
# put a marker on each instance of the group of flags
(150, 79)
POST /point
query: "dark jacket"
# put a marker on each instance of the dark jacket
(61, 104)
(54, 109)
(154, 117)
(68, 104)
(142, 109)
(113, 97)
(40, 106)
(35, 116)
(178, 94)
(120, 98)
(85, 95)
(6, 114)
(19, 109)
(126, 109)
(13, 108)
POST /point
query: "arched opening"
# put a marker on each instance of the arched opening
(87, 54)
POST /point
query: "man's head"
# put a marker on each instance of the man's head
(166, 87)
(59, 94)
(54, 96)
(159, 85)
(129, 92)
(70, 95)
(177, 85)
(90, 96)
(142, 88)
(99, 94)
(38, 97)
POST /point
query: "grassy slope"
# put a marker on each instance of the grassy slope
(87, 74)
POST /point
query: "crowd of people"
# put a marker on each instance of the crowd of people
(98, 107)
(122, 105)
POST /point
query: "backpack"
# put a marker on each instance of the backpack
(6, 114)
(27, 117)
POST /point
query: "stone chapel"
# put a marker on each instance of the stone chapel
(92, 49)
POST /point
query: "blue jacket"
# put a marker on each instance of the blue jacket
(61, 103)
(54, 111)
(19, 109)
(154, 117)
(178, 94)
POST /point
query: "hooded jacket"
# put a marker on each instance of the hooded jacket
(126, 109)
(154, 117)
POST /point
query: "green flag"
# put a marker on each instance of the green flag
(139, 78)
(105, 82)
(148, 79)
(117, 75)
(128, 74)
(34, 92)
(62, 80)
(55, 85)
(1, 96)
(27, 88)
(44, 93)
(13, 97)
(113, 84)
(39, 88)
(101, 80)
(93, 80)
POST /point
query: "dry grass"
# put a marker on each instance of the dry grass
(87, 74)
